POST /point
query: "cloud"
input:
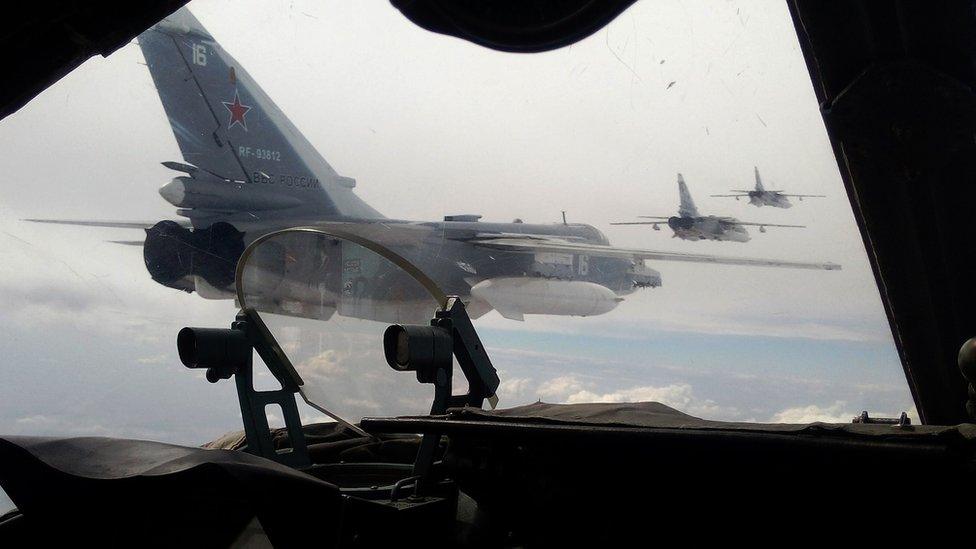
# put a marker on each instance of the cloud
(738, 323)
(572, 389)
(513, 388)
(838, 412)
(275, 419)
(679, 396)
(559, 387)
(40, 424)
(43, 301)
(746, 386)
(308, 419)
(326, 364)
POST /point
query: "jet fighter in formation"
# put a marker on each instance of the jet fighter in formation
(761, 197)
(691, 225)
(248, 171)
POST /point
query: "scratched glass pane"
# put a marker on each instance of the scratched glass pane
(328, 301)
(612, 214)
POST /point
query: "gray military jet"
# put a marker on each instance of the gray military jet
(761, 197)
(691, 225)
(248, 171)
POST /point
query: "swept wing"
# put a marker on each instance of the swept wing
(105, 223)
(548, 244)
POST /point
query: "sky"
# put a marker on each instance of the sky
(431, 125)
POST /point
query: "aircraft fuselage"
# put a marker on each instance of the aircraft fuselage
(708, 228)
(767, 198)
(512, 282)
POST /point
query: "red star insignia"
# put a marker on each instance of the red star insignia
(237, 111)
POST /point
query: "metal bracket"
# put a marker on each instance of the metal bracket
(254, 403)
(471, 356)
(902, 421)
(481, 376)
(225, 353)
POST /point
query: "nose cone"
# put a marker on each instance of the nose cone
(173, 192)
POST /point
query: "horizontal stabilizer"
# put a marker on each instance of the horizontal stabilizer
(105, 224)
(180, 167)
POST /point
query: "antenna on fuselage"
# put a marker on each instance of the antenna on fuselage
(564, 218)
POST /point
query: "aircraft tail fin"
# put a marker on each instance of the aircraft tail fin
(225, 124)
(687, 207)
(759, 185)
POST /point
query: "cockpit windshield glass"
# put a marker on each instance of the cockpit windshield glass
(327, 301)
(654, 213)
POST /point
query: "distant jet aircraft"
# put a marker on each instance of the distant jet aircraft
(248, 171)
(690, 225)
(761, 197)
